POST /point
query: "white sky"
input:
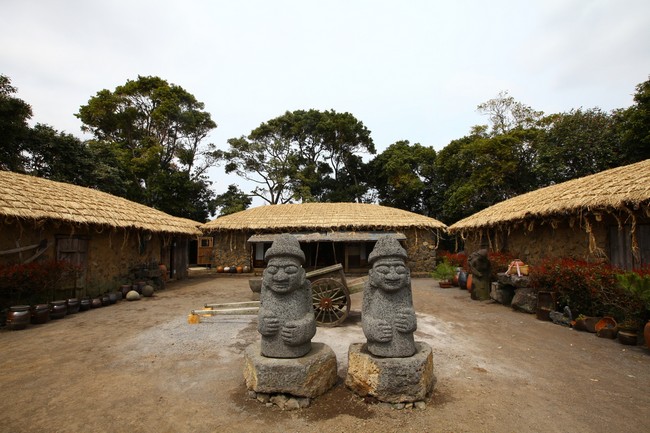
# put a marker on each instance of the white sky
(409, 70)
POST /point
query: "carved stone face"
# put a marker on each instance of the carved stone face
(283, 275)
(389, 274)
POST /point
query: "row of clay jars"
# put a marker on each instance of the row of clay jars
(19, 316)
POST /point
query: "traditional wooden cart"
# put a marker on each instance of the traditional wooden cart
(330, 295)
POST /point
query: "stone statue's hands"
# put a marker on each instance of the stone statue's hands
(384, 331)
(405, 321)
(289, 333)
(269, 325)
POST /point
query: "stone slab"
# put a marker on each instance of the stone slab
(308, 376)
(391, 380)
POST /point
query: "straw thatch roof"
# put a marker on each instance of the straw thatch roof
(618, 189)
(321, 216)
(30, 198)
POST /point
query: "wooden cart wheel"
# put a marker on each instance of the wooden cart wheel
(331, 301)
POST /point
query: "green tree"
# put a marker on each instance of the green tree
(633, 126)
(231, 201)
(506, 114)
(156, 130)
(401, 175)
(14, 114)
(59, 156)
(575, 144)
(478, 171)
(303, 155)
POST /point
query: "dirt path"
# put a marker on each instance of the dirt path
(139, 367)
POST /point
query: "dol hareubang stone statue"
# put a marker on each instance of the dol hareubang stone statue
(391, 366)
(285, 362)
(388, 318)
(286, 316)
(481, 269)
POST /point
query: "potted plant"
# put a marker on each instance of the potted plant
(444, 273)
(637, 287)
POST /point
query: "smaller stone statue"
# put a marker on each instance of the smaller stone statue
(387, 317)
(286, 316)
(481, 270)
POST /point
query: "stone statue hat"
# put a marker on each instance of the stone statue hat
(387, 246)
(285, 245)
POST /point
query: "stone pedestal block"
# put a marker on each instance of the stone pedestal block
(391, 380)
(308, 376)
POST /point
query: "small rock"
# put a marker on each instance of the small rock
(408, 406)
(262, 397)
(132, 296)
(252, 394)
(292, 404)
(385, 405)
(398, 406)
(420, 405)
(279, 400)
(304, 402)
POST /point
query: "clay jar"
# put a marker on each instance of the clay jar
(40, 313)
(58, 309)
(73, 306)
(18, 317)
(96, 303)
(84, 304)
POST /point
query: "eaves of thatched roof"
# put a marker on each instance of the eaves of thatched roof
(321, 216)
(621, 189)
(29, 198)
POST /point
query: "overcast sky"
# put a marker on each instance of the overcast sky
(409, 69)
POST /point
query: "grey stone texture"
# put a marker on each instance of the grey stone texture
(481, 269)
(391, 380)
(525, 300)
(286, 316)
(387, 316)
(309, 376)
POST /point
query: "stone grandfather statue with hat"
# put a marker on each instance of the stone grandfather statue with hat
(390, 366)
(286, 362)
(388, 318)
(286, 316)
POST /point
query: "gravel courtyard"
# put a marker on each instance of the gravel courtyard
(140, 367)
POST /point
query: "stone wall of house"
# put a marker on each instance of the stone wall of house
(231, 248)
(534, 243)
(421, 249)
(113, 256)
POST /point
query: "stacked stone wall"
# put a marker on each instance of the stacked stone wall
(231, 249)
(541, 241)
(420, 246)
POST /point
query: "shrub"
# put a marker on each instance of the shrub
(583, 286)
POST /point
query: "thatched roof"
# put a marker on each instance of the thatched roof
(321, 216)
(30, 198)
(617, 189)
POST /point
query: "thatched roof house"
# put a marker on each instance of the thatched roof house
(104, 234)
(602, 215)
(329, 233)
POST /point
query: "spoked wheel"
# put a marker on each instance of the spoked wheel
(331, 301)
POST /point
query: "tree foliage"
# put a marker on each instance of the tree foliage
(575, 144)
(231, 201)
(303, 156)
(633, 125)
(402, 174)
(155, 131)
(505, 113)
(14, 114)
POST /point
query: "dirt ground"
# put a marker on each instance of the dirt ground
(140, 367)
